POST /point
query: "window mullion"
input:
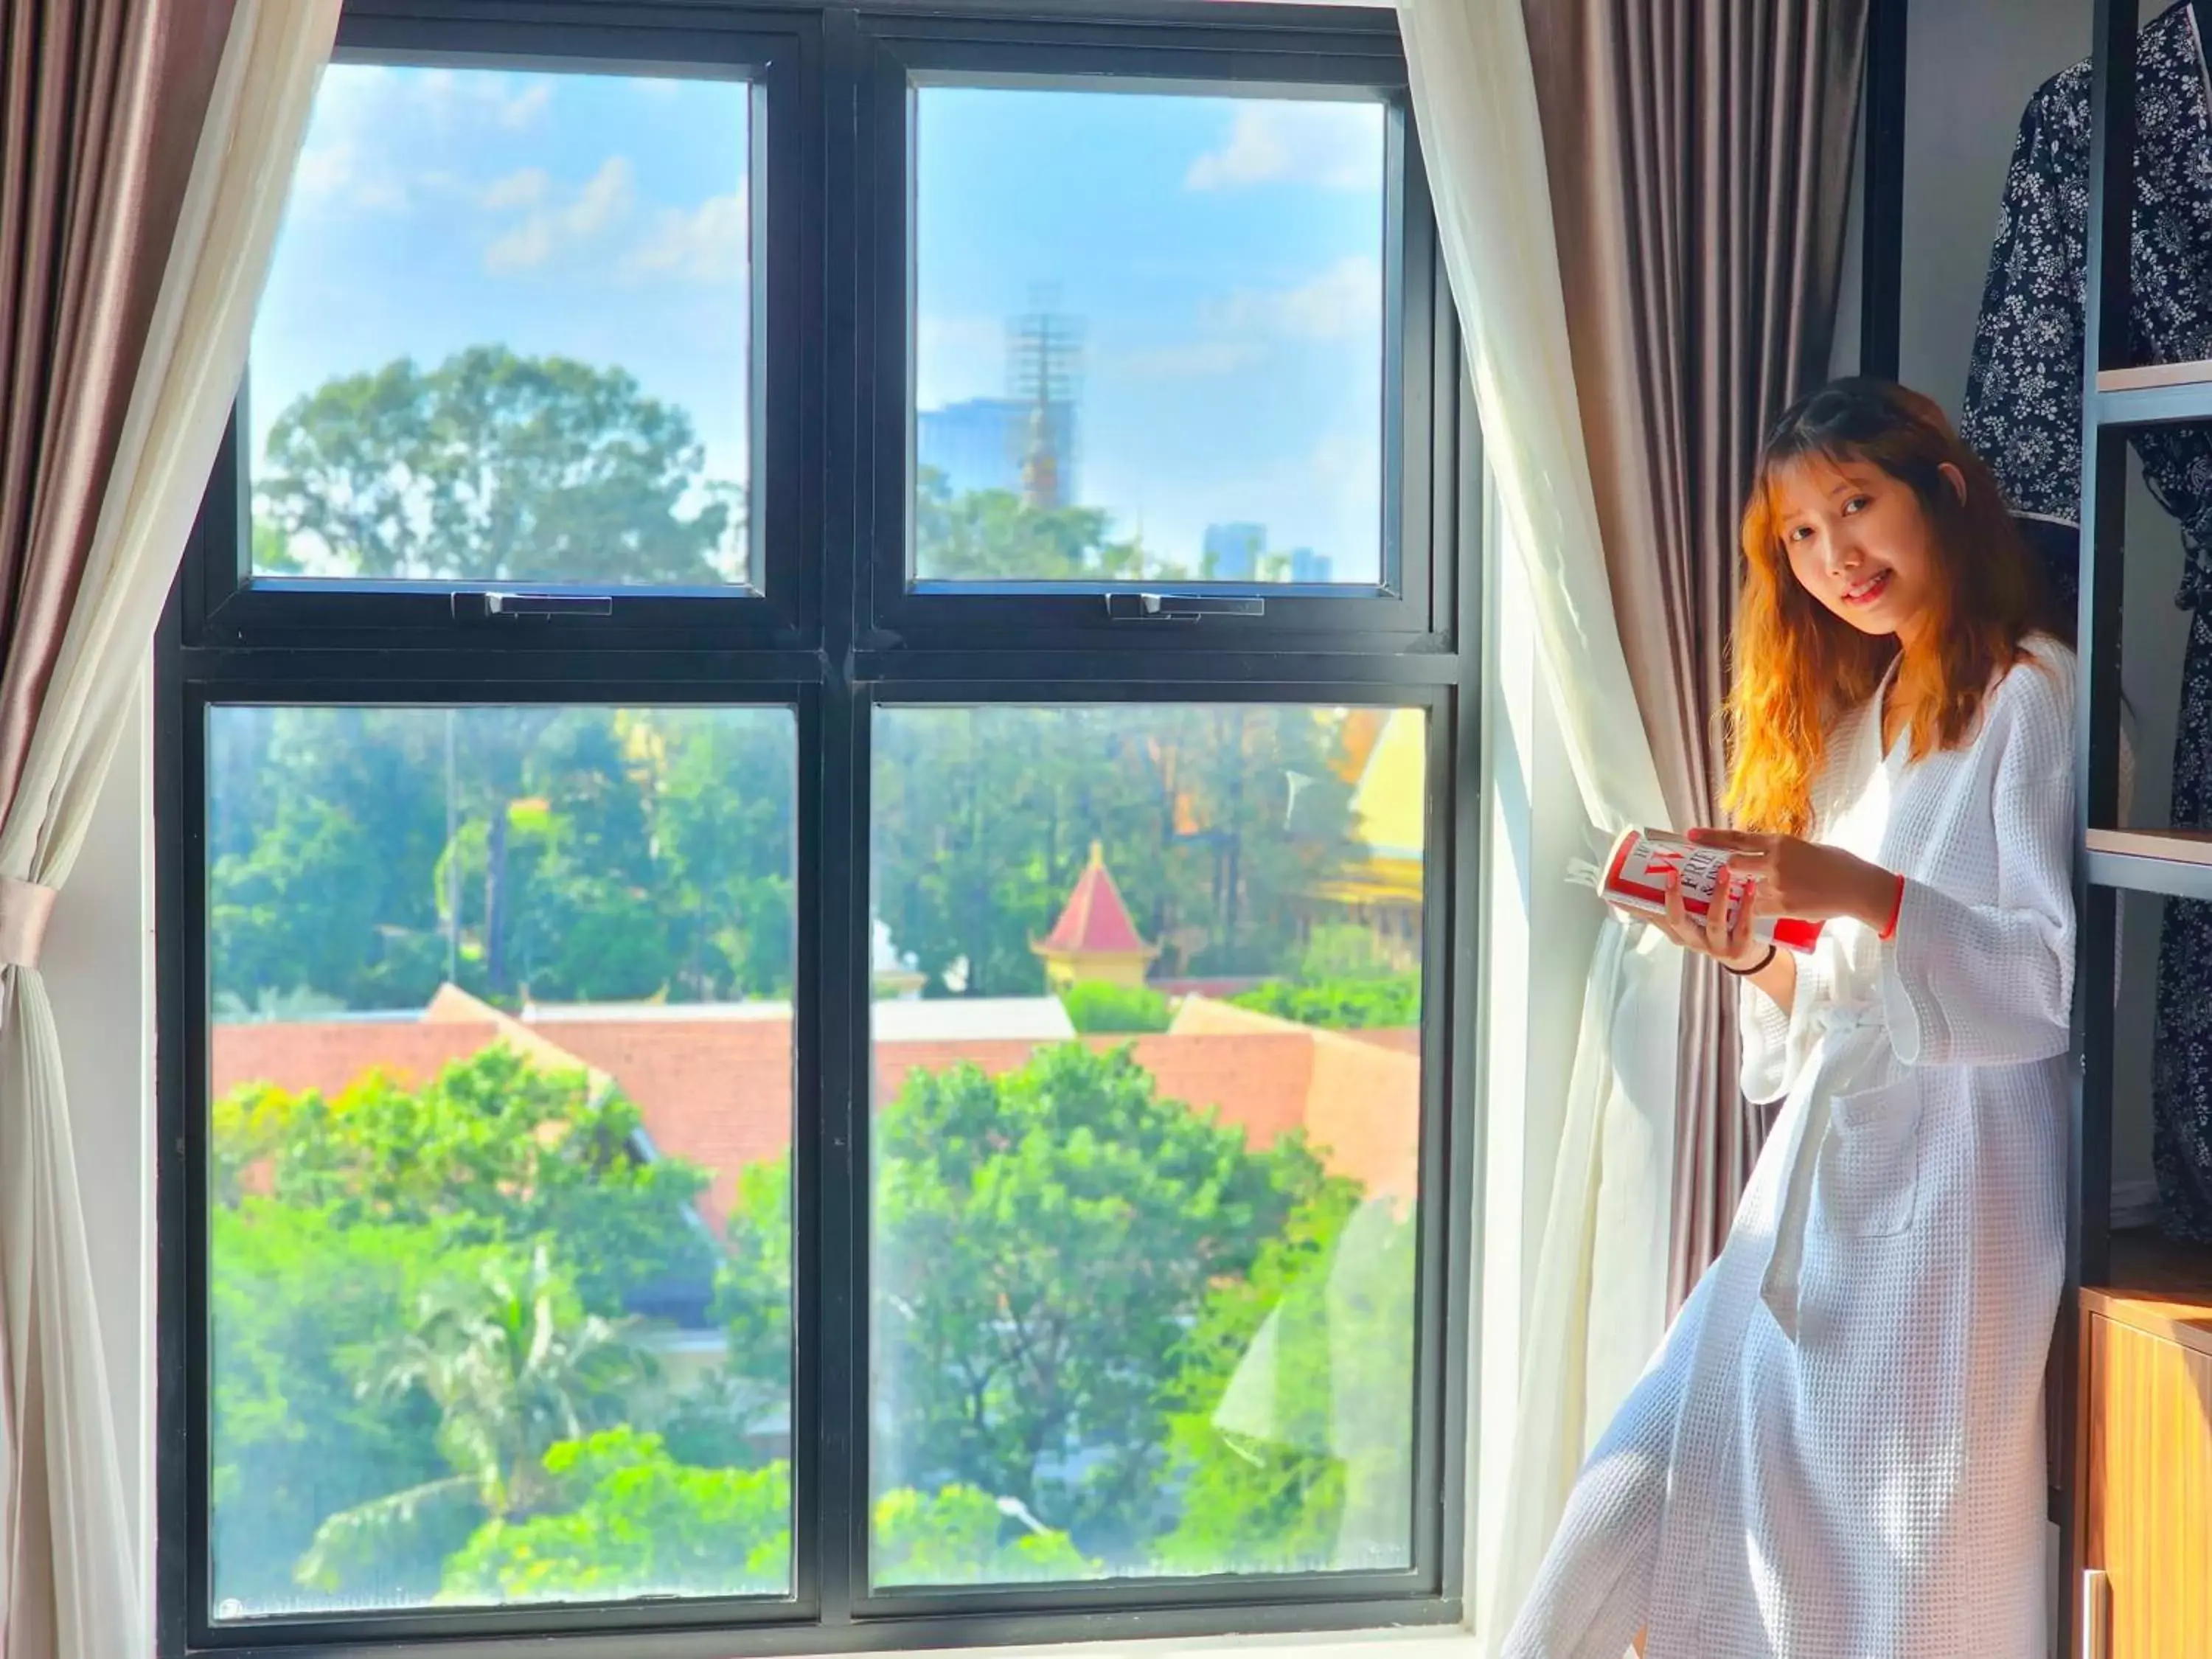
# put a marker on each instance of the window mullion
(833, 1542)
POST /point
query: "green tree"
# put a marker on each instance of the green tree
(500, 1149)
(324, 824)
(635, 1521)
(363, 855)
(493, 467)
(1216, 823)
(1291, 1427)
(725, 789)
(513, 1365)
(632, 1520)
(962, 1535)
(1343, 984)
(1094, 1006)
(753, 1292)
(300, 1301)
(993, 535)
(1043, 1240)
(417, 1291)
(593, 921)
(1340, 1005)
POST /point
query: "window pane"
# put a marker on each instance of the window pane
(500, 1219)
(505, 335)
(1148, 1085)
(1149, 336)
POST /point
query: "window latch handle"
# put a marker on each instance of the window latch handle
(1179, 607)
(477, 606)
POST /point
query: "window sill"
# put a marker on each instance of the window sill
(1402, 1642)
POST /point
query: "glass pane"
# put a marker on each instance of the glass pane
(505, 335)
(502, 1095)
(1149, 336)
(1147, 1085)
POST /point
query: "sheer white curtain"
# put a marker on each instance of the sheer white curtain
(1593, 1306)
(69, 1562)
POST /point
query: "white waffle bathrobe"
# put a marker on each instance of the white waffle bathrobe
(1838, 1451)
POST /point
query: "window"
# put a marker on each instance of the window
(503, 1221)
(543, 376)
(1156, 1229)
(811, 869)
(1149, 329)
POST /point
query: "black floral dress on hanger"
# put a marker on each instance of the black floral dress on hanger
(2023, 415)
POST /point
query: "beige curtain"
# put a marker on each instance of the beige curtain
(1700, 156)
(1588, 1304)
(147, 143)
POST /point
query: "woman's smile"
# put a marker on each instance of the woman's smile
(1867, 590)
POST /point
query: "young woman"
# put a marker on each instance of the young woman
(1837, 1452)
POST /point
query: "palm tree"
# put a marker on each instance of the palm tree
(513, 1365)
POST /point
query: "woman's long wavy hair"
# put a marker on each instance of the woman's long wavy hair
(1798, 665)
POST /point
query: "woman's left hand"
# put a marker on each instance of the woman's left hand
(1803, 878)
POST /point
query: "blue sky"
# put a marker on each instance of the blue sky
(1224, 256)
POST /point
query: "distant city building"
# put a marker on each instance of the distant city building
(985, 444)
(1308, 566)
(1024, 443)
(1233, 551)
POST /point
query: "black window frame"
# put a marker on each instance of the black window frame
(1412, 602)
(816, 642)
(778, 54)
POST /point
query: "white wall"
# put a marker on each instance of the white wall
(1972, 64)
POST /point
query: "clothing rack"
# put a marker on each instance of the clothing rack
(2119, 396)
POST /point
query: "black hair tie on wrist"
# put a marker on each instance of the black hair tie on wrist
(1746, 973)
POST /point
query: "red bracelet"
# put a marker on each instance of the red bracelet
(1896, 908)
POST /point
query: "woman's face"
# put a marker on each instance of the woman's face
(1859, 542)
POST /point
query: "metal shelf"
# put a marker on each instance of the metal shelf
(2155, 394)
(2171, 862)
(2175, 862)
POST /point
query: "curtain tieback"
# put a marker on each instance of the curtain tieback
(25, 908)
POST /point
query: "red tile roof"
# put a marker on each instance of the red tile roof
(1095, 922)
(719, 1091)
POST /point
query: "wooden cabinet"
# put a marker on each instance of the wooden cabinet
(2146, 1444)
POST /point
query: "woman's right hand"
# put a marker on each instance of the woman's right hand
(1734, 947)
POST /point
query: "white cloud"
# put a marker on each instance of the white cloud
(526, 247)
(1241, 331)
(1196, 360)
(381, 193)
(341, 165)
(499, 98)
(606, 198)
(523, 109)
(333, 172)
(1336, 145)
(548, 229)
(526, 188)
(364, 114)
(324, 169)
(1343, 302)
(708, 244)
